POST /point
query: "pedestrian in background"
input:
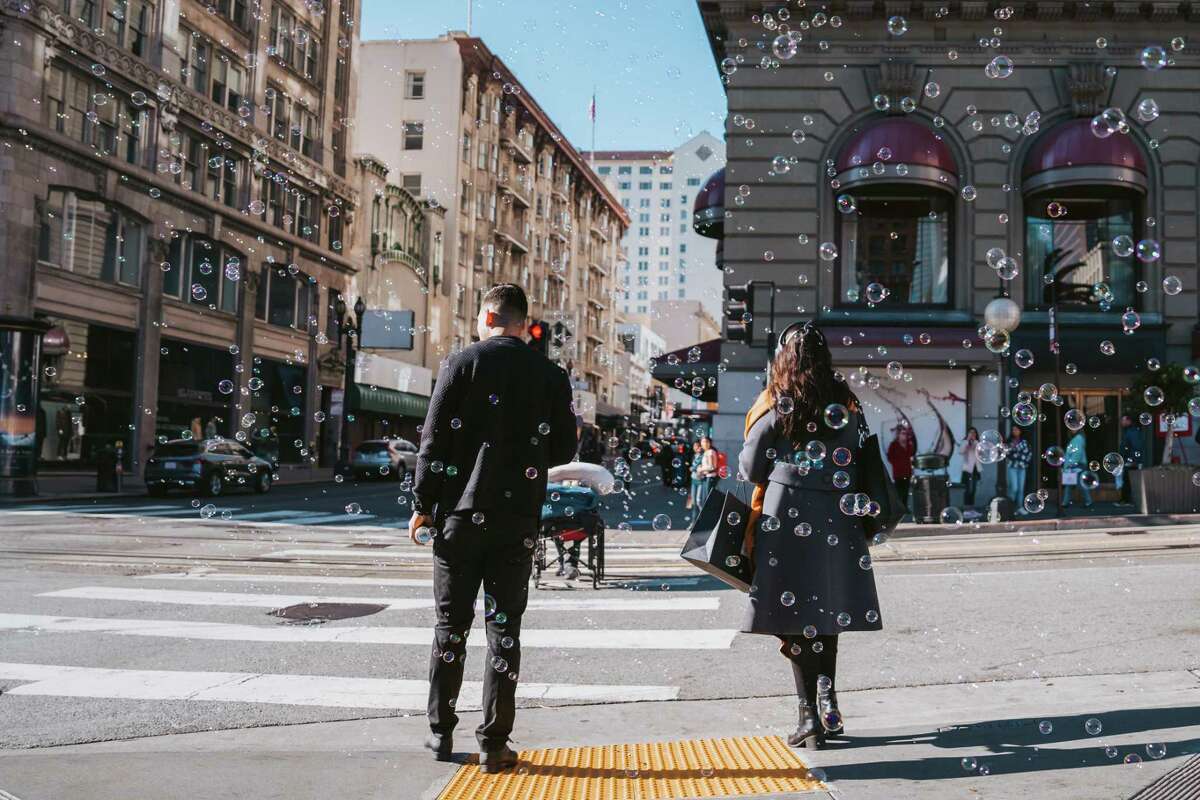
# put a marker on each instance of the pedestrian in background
(710, 474)
(970, 466)
(501, 415)
(1131, 453)
(1016, 463)
(811, 577)
(900, 455)
(697, 459)
(1074, 463)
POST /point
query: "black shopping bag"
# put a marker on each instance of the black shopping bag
(715, 541)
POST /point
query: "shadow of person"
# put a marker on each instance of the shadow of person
(1019, 745)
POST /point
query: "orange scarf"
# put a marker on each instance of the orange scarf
(761, 406)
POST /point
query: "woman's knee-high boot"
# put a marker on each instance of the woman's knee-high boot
(808, 731)
(826, 699)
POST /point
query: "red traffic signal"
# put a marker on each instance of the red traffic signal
(538, 336)
(536, 331)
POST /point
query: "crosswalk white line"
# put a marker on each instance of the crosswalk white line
(261, 516)
(321, 519)
(332, 580)
(426, 554)
(254, 600)
(44, 510)
(329, 691)
(570, 638)
(266, 580)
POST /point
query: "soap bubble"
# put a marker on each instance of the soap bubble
(898, 26)
(1153, 57)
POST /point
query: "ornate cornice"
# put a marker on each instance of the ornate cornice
(1087, 85)
(171, 93)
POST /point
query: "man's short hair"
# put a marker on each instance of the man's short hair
(508, 302)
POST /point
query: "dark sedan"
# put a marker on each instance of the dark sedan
(208, 466)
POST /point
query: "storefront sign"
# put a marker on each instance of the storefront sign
(337, 402)
(1181, 427)
(371, 369)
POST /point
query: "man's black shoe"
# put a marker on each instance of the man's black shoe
(442, 746)
(497, 760)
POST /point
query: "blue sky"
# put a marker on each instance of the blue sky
(655, 79)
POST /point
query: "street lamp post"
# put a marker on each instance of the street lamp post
(1003, 315)
(349, 329)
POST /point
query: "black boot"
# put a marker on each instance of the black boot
(827, 709)
(808, 733)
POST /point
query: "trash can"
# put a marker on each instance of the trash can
(930, 487)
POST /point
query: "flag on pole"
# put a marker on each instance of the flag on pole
(592, 107)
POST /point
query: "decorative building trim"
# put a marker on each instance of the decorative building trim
(1088, 175)
(858, 177)
(897, 79)
(1087, 85)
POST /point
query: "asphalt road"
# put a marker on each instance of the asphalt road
(122, 625)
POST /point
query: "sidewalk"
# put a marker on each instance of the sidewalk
(1010, 739)
(82, 485)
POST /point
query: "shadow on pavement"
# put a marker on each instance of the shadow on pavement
(1018, 746)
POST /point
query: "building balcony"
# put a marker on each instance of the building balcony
(516, 235)
(598, 267)
(559, 191)
(396, 255)
(519, 150)
(599, 231)
(514, 186)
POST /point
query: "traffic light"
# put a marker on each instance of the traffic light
(539, 336)
(739, 313)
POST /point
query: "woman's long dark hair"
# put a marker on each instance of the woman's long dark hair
(803, 371)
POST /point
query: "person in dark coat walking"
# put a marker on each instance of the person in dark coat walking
(501, 415)
(812, 572)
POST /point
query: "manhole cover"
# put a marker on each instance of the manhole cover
(316, 613)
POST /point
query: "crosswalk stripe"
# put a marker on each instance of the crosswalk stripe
(252, 600)
(321, 519)
(282, 689)
(333, 580)
(48, 509)
(267, 515)
(570, 638)
(425, 554)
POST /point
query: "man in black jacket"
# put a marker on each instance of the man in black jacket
(501, 415)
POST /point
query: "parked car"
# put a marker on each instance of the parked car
(383, 458)
(207, 466)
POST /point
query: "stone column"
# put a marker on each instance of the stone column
(146, 353)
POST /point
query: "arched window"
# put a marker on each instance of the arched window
(895, 216)
(1084, 199)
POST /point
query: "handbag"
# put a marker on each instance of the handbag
(879, 486)
(1070, 477)
(714, 543)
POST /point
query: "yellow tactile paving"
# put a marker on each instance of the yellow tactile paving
(695, 768)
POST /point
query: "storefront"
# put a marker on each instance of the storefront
(389, 398)
(87, 392)
(278, 402)
(191, 403)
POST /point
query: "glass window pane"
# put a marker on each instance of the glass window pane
(172, 278)
(131, 252)
(205, 273)
(229, 291)
(1080, 225)
(282, 303)
(899, 238)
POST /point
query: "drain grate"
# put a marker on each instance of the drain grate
(317, 613)
(1181, 783)
(697, 768)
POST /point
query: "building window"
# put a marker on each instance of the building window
(414, 85)
(643, 231)
(129, 23)
(90, 237)
(604, 170)
(644, 202)
(665, 186)
(283, 298)
(466, 148)
(294, 45)
(206, 168)
(414, 135)
(82, 10)
(899, 238)
(194, 61)
(1084, 224)
(228, 79)
(202, 272)
(645, 186)
(623, 185)
(234, 11)
(89, 112)
(290, 208)
(645, 170)
(412, 183)
(624, 170)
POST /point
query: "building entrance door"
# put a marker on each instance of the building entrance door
(1102, 409)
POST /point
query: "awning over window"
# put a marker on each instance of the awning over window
(387, 401)
(1070, 154)
(692, 369)
(896, 150)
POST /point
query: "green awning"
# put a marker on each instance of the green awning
(387, 401)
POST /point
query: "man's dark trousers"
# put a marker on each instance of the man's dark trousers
(497, 553)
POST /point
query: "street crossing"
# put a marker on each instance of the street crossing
(198, 640)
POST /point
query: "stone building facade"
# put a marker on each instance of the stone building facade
(456, 126)
(884, 158)
(177, 209)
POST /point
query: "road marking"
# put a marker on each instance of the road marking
(570, 638)
(321, 519)
(331, 691)
(252, 600)
(425, 554)
(267, 515)
(44, 510)
(265, 580)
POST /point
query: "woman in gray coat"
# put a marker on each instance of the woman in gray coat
(812, 572)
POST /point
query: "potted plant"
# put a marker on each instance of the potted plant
(1164, 488)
